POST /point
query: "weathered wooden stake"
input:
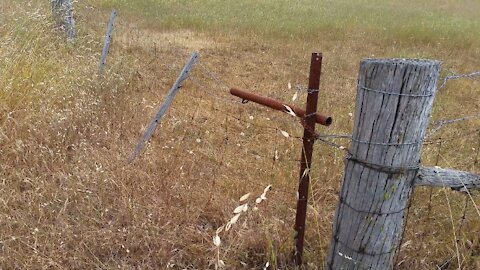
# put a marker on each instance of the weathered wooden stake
(165, 105)
(63, 13)
(394, 100)
(106, 45)
(439, 177)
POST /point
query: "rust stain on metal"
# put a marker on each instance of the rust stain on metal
(280, 106)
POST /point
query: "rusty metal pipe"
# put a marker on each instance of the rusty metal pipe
(277, 105)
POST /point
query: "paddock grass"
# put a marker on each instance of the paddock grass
(451, 23)
(69, 200)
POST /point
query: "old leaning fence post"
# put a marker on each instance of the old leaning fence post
(394, 100)
(106, 45)
(63, 14)
(165, 105)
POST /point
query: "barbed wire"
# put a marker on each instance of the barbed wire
(212, 75)
(219, 81)
(212, 94)
(437, 125)
(323, 137)
(452, 138)
(251, 123)
(471, 75)
(274, 158)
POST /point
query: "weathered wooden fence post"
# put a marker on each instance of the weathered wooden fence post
(394, 100)
(63, 13)
(165, 105)
(106, 45)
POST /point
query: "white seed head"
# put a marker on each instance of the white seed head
(295, 96)
(239, 209)
(285, 134)
(235, 218)
(289, 110)
(220, 229)
(216, 240)
(244, 197)
(228, 226)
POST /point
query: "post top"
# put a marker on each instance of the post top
(402, 61)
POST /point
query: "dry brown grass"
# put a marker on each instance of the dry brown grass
(69, 200)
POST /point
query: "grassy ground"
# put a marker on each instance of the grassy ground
(434, 22)
(69, 200)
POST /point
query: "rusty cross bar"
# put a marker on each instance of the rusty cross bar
(279, 106)
(309, 118)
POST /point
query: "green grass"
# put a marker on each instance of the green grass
(453, 23)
